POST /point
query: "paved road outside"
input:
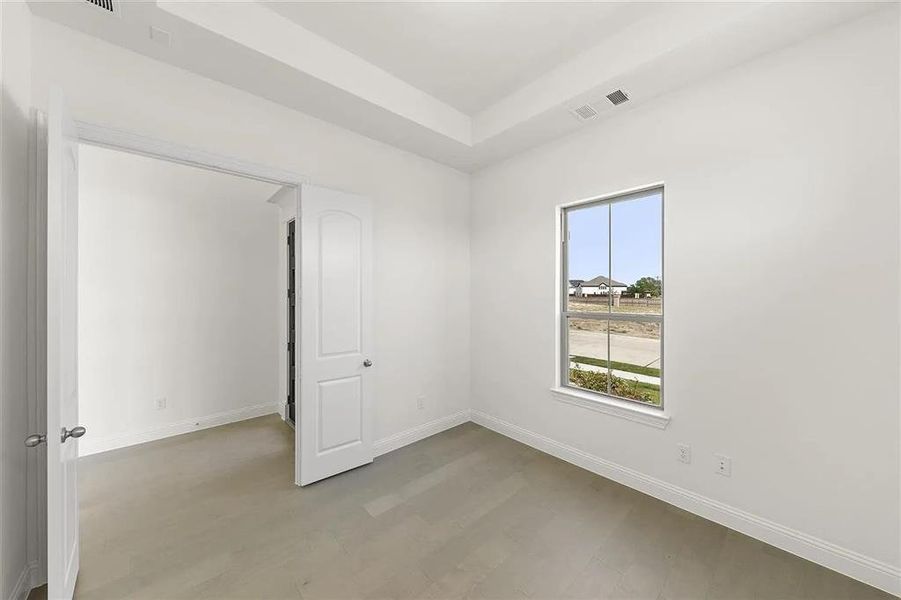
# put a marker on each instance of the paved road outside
(627, 349)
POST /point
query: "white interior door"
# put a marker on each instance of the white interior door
(62, 352)
(334, 432)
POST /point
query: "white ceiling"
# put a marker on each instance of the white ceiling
(467, 54)
(466, 84)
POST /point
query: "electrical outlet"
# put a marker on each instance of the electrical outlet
(723, 465)
(160, 403)
(420, 402)
(684, 453)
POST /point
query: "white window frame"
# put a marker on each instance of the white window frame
(603, 402)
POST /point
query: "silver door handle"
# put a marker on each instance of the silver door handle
(75, 432)
(35, 439)
(367, 363)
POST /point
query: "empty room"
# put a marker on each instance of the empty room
(434, 300)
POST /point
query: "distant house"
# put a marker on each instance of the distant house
(575, 287)
(601, 286)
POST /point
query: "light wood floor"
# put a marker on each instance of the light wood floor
(467, 513)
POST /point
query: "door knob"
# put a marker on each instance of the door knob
(367, 363)
(35, 439)
(75, 432)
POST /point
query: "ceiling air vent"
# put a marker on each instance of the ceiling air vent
(110, 6)
(617, 97)
(585, 112)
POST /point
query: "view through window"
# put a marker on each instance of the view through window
(613, 297)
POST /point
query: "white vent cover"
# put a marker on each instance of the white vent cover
(585, 112)
(110, 6)
(617, 97)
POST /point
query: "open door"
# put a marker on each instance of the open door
(62, 352)
(336, 393)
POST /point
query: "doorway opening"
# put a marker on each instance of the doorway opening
(179, 289)
(177, 293)
(334, 387)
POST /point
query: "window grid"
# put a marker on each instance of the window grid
(608, 316)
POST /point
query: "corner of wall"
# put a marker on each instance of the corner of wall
(15, 109)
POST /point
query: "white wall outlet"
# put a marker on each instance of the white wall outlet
(160, 36)
(420, 402)
(160, 403)
(723, 465)
(684, 453)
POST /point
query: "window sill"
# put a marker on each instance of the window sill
(611, 406)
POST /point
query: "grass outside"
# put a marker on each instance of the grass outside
(619, 366)
(650, 393)
(624, 388)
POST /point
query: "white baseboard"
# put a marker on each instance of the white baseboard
(88, 445)
(38, 575)
(24, 584)
(420, 432)
(848, 562)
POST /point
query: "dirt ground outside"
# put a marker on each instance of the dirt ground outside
(632, 328)
(629, 328)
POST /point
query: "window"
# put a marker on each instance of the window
(612, 305)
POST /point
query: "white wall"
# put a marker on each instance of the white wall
(781, 174)
(15, 59)
(420, 208)
(177, 287)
